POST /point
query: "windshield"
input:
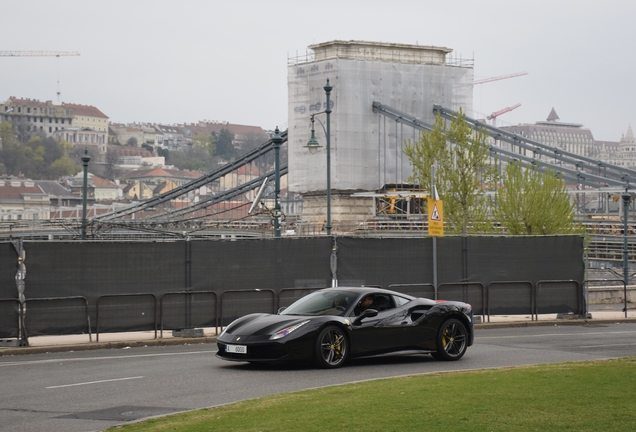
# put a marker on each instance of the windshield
(322, 303)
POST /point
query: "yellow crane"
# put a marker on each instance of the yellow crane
(42, 54)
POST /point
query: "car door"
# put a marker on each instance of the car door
(379, 334)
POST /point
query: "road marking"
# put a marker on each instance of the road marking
(62, 360)
(599, 346)
(94, 382)
(553, 334)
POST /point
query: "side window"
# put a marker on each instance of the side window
(399, 301)
(382, 302)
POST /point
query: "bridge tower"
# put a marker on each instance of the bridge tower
(366, 148)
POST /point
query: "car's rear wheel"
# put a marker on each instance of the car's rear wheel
(332, 347)
(452, 340)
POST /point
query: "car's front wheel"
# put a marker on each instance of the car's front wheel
(452, 340)
(332, 347)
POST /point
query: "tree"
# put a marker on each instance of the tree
(132, 142)
(464, 171)
(225, 145)
(530, 202)
(39, 158)
(205, 142)
(193, 158)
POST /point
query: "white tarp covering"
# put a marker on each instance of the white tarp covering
(366, 148)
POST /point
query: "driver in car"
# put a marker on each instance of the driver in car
(364, 304)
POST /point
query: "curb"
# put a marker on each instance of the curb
(105, 345)
(13, 351)
(561, 322)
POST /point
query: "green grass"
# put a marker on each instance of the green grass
(585, 396)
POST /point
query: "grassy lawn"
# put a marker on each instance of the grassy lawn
(586, 396)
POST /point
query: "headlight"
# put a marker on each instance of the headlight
(284, 332)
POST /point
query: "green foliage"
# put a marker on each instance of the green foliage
(533, 203)
(194, 158)
(463, 169)
(206, 142)
(38, 159)
(63, 167)
(224, 145)
(163, 152)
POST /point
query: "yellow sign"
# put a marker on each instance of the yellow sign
(435, 217)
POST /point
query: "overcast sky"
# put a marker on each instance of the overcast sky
(184, 61)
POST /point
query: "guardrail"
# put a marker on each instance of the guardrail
(116, 296)
(605, 281)
(497, 298)
(56, 300)
(10, 332)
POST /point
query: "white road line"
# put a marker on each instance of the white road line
(599, 346)
(62, 360)
(94, 382)
(552, 335)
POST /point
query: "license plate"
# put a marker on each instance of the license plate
(236, 349)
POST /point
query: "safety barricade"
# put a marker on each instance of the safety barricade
(188, 309)
(56, 316)
(235, 304)
(510, 298)
(472, 293)
(137, 317)
(10, 310)
(563, 296)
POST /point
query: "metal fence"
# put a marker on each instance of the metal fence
(100, 287)
(197, 309)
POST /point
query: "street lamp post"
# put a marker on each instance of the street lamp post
(626, 198)
(313, 145)
(277, 140)
(85, 160)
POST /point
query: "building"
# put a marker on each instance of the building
(626, 153)
(87, 116)
(59, 196)
(169, 137)
(571, 137)
(366, 148)
(138, 190)
(156, 176)
(126, 135)
(22, 199)
(245, 137)
(77, 124)
(31, 116)
(97, 188)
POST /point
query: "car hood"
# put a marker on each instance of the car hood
(262, 324)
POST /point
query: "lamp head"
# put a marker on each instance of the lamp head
(313, 145)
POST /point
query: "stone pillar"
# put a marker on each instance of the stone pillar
(346, 211)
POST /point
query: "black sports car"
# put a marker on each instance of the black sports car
(332, 325)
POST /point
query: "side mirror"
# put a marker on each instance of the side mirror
(367, 313)
(281, 309)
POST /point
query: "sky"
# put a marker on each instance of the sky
(184, 61)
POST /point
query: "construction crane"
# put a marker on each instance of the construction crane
(496, 114)
(497, 78)
(38, 53)
(57, 54)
